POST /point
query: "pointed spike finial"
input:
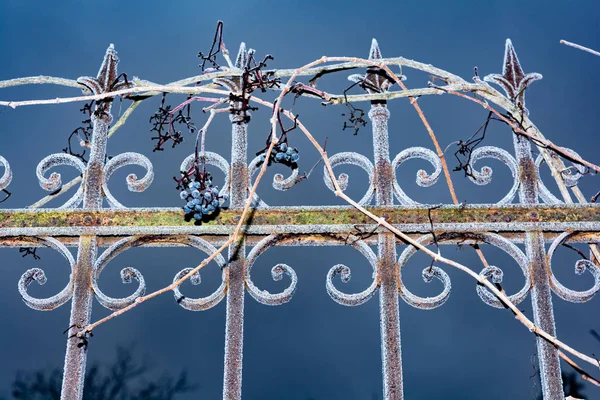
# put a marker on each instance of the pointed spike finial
(242, 57)
(375, 52)
(107, 80)
(513, 80)
(376, 80)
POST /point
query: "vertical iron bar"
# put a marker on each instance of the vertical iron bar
(81, 306)
(541, 295)
(391, 353)
(234, 327)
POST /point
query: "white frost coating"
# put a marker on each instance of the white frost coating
(54, 181)
(133, 183)
(424, 303)
(355, 299)
(432, 302)
(571, 178)
(279, 182)
(202, 303)
(423, 178)
(37, 274)
(354, 159)
(215, 159)
(496, 274)
(128, 273)
(378, 81)
(282, 183)
(263, 296)
(513, 80)
(484, 176)
(234, 83)
(580, 267)
(7, 175)
(492, 272)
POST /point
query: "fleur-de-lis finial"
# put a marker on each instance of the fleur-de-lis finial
(107, 79)
(234, 83)
(375, 80)
(513, 80)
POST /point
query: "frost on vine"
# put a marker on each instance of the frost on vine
(106, 81)
(163, 123)
(513, 80)
(82, 133)
(376, 80)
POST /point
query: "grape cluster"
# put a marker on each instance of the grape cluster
(202, 199)
(283, 154)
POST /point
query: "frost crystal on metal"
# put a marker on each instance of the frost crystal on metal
(92, 214)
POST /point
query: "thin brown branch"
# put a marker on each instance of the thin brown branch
(580, 370)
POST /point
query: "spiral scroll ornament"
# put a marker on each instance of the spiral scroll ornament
(38, 275)
(6, 176)
(54, 182)
(133, 183)
(351, 158)
(581, 266)
(128, 274)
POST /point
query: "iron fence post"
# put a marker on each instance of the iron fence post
(541, 294)
(234, 329)
(391, 354)
(81, 306)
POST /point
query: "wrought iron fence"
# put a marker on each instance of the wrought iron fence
(519, 217)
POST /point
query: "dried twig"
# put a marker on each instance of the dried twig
(580, 47)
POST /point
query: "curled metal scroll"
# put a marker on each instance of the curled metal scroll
(38, 275)
(215, 159)
(581, 266)
(133, 183)
(570, 175)
(202, 303)
(423, 178)
(128, 274)
(354, 299)
(493, 273)
(277, 272)
(6, 175)
(343, 179)
(54, 182)
(279, 181)
(484, 176)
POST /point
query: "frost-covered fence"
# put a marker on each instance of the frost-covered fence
(234, 218)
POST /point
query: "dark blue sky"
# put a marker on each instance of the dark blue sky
(311, 347)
